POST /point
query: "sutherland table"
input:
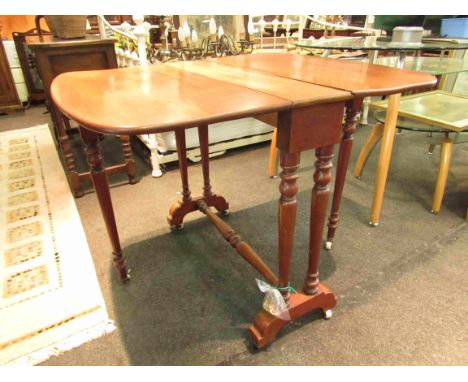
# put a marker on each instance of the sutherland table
(306, 97)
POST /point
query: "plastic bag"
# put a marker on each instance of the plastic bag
(273, 302)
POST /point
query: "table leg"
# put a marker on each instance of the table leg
(187, 204)
(352, 113)
(444, 166)
(315, 295)
(99, 177)
(182, 206)
(365, 109)
(273, 156)
(318, 210)
(384, 157)
(287, 209)
(209, 197)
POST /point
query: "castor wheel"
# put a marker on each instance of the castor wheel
(177, 227)
(328, 245)
(224, 212)
(125, 276)
(372, 224)
(327, 314)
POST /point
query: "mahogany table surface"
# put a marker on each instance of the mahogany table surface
(361, 79)
(159, 98)
(300, 93)
(143, 100)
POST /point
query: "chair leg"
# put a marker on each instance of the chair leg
(444, 165)
(273, 158)
(385, 155)
(373, 138)
(431, 148)
(129, 161)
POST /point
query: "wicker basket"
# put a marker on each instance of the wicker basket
(67, 26)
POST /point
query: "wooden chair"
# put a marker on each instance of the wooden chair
(442, 115)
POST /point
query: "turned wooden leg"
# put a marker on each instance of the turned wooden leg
(373, 138)
(384, 157)
(267, 326)
(444, 166)
(98, 175)
(273, 157)
(129, 162)
(205, 155)
(210, 198)
(183, 206)
(188, 204)
(318, 211)
(315, 296)
(65, 147)
(287, 208)
(352, 113)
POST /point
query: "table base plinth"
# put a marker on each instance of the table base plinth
(181, 208)
(266, 326)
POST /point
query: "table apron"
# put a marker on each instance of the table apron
(310, 127)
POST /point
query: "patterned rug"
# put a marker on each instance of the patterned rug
(50, 299)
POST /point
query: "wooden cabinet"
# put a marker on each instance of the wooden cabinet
(9, 99)
(55, 56)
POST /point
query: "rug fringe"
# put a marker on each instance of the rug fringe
(64, 345)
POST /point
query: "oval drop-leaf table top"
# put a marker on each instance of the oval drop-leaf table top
(159, 98)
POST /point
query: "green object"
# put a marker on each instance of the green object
(288, 288)
(438, 109)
